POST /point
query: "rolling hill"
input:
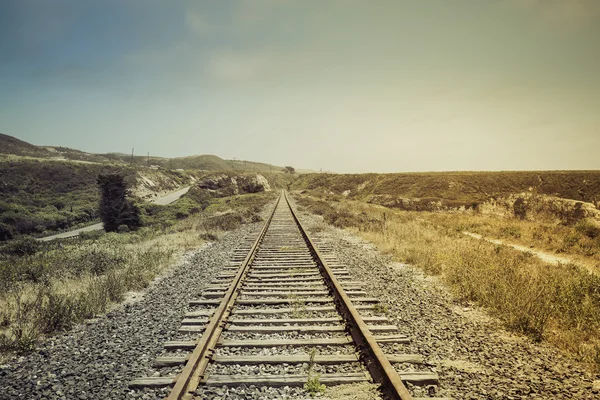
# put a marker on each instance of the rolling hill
(11, 146)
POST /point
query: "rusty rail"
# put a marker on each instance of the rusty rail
(371, 354)
(379, 367)
(187, 382)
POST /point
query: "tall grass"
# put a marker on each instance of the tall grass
(560, 304)
(47, 288)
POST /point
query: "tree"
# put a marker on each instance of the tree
(289, 170)
(520, 208)
(115, 209)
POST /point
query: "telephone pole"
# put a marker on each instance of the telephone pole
(131, 161)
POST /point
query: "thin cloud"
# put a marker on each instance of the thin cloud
(197, 22)
(570, 12)
(236, 66)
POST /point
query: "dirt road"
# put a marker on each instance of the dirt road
(163, 200)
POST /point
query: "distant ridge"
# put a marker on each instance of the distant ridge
(18, 147)
(10, 145)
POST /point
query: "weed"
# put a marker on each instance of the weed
(380, 308)
(56, 313)
(313, 384)
(298, 306)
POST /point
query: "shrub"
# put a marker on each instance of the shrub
(224, 222)
(520, 208)
(589, 228)
(56, 313)
(98, 260)
(91, 235)
(209, 236)
(511, 231)
(6, 232)
(22, 247)
(123, 228)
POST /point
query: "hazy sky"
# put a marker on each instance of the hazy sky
(342, 85)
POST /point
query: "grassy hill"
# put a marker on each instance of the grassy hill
(206, 162)
(11, 146)
(38, 196)
(456, 188)
(14, 146)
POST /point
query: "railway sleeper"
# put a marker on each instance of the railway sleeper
(280, 329)
(323, 359)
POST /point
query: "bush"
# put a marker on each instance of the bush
(22, 247)
(56, 313)
(91, 235)
(589, 228)
(6, 232)
(98, 260)
(520, 208)
(224, 222)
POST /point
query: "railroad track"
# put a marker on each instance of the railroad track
(283, 311)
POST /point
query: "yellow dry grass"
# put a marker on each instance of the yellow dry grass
(556, 303)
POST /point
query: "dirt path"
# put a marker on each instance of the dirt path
(542, 255)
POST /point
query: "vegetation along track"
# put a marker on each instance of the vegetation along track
(284, 294)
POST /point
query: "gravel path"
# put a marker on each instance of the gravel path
(473, 355)
(97, 360)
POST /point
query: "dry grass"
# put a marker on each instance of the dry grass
(49, 289)
(559, 304)
(579, 242)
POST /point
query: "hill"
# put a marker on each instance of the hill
(454, 189)
(12, 146)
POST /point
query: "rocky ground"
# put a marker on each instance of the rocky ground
(473, 355)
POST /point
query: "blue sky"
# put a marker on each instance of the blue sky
(342, 85)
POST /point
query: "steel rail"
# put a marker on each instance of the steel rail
(189, 379)
(379, 367)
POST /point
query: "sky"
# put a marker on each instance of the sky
(335, 85)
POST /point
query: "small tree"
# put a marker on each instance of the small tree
(520, 208)
(290, 170)
(115, 209)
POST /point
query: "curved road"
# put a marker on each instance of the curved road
(164, 200)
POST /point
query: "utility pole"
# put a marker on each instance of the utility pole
(131, 162)
(148, 159)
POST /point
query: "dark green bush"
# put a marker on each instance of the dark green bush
(6, 232)
(22, 247)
